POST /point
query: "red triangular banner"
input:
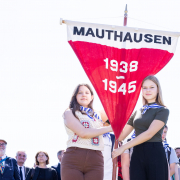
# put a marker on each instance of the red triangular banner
(116, 60)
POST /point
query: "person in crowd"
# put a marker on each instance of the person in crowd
(60, 155)
(83, 158)
(170, 154)
(126, 158)
(177, 149)
(109, 140)
(21, 157)
(58, 166)
(8, 165)
(148, 156)
(42, 172)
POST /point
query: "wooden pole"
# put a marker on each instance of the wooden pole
(125, 16)
(61, 21)
(115, 163)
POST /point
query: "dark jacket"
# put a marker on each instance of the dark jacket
(112, 140)
(26, 169)
(11, 171)
(58, 170)
(50, 174)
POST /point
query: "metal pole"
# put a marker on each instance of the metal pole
(115, 163)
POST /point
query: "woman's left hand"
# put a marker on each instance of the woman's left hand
(117, 152)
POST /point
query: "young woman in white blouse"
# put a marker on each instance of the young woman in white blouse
(83, 158)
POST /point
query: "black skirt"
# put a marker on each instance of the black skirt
(148, 162)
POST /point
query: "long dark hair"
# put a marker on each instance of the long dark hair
(74, 105)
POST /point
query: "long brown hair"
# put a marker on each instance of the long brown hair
(74, 105)
(159, 98)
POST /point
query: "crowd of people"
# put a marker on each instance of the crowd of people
(145, 155)
(15, 169)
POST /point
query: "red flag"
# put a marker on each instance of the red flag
(117, 59)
